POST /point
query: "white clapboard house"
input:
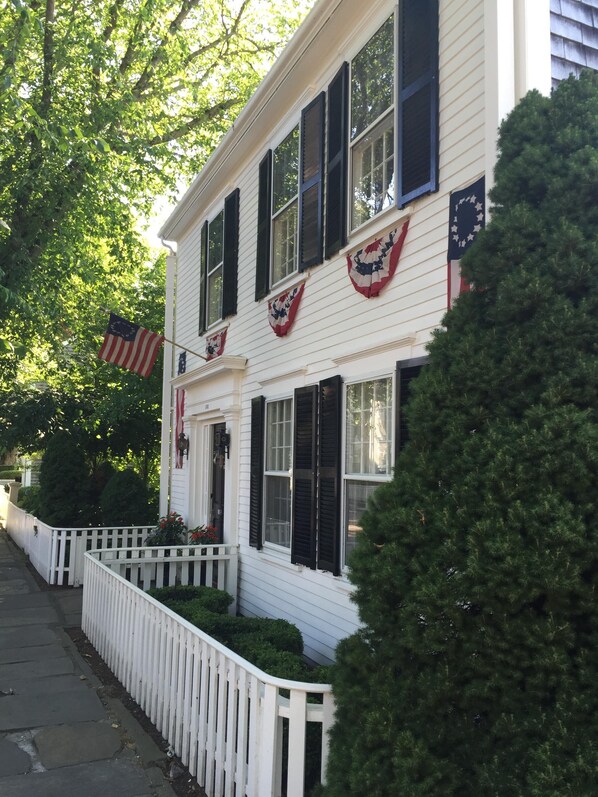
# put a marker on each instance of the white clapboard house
(312, 265)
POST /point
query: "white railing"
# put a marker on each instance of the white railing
(240, 731)
(3, 500)
(57, 553)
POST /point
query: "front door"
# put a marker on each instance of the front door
(217, 487)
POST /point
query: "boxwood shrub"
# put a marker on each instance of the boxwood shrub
(275, 646)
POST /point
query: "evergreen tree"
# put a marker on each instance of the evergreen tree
(476, 670)
(63, 483)
(125, 501)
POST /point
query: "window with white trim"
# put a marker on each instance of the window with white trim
(368, 449)
(372, 126)
(214, 273)
(277, 472)
(285, 190)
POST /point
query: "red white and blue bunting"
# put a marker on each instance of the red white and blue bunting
(215, 344)
(283, 309)
(372, 267)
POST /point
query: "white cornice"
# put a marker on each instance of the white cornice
(224, 364)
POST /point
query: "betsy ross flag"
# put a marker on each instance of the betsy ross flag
(130, 346)
(466, 219)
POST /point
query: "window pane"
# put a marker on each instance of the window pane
(373, 173)
(278, 510)
(356, 496)
(278, 435)
(285, 176)
(215, 296)
(284, 246)
(369, 428)
(215, 241)
(372, 79)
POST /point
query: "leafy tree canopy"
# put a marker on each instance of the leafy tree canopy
(104, 106)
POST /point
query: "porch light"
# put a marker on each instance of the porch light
(183, 445)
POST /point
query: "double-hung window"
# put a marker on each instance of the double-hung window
(277, 473)
(368, 449)
(285, 190)
(372, 128)
(219, 248)
(290, 235)
(316, 459)
(379, 118)
(215, 259)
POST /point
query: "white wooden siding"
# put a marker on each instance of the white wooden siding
(333, 316)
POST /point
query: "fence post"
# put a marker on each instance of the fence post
(232, 575)
(267, 746)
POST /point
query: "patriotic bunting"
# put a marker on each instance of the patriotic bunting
(466, 219)
(179, 404)
(215, 344)
(130, 346)
(283, 309)
(371, 268)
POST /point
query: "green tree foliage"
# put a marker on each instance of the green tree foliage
(64, 483)
(476, 574)
(104, 106)
(125, 501)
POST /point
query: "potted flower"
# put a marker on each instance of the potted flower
(203, 535)
(171, 530)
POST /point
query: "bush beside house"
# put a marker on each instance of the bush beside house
(477, 570)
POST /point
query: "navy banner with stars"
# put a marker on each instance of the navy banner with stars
(466, 219)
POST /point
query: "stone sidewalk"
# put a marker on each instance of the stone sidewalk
(57, 738)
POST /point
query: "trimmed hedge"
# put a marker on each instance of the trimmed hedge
(275, 646)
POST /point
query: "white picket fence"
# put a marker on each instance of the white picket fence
(240, 731)
(57, 553)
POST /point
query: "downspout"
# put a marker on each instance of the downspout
(168, 374)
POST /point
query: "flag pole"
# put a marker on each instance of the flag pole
(168, 340)
(184, 348)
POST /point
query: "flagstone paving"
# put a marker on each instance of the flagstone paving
(57, 738)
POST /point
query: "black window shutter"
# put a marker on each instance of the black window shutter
(203, 277)
(231, 254)
(256, 471)
(311, 188)
(329, 474)
(417, 113)
(336, 167)
(303, 547)
(264, 213)
(407, 370)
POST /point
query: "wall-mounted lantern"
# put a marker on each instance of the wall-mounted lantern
(183, 445)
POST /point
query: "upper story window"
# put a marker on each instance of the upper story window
(379, 118)
(285, 190)
(372, 126)
(215, 261)
(219, 249)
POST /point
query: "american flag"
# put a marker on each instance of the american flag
(467, 218)
(130, 346)
(179, 411)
